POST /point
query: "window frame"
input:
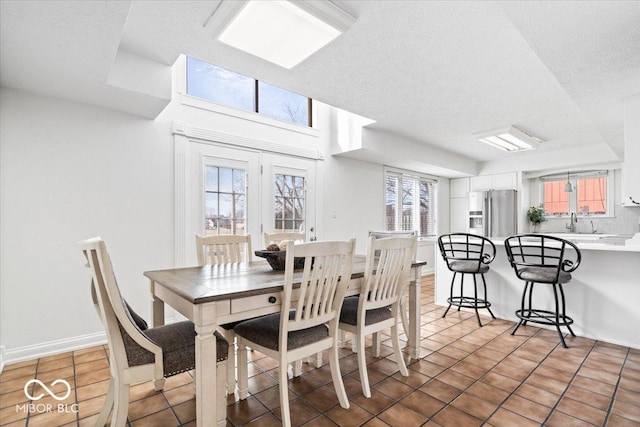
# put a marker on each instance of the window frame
(574, 176)
(255, 115)
(417, 179)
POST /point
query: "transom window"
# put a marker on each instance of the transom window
(225, 200)
(589, 195)
(289, 202)
(222, 86)
(410, 203)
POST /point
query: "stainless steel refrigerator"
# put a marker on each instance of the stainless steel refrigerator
(493, 213)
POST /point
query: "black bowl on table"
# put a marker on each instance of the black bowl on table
(277, 259)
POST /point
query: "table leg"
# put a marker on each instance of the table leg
(415, 291)
(157, 307)
(205, 372)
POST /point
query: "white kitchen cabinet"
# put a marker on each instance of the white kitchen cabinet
(458, 187)
(480, 183)
(458, 214)
(501, 181)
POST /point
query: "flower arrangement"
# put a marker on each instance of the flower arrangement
(536, 214)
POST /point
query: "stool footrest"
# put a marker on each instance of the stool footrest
(544, 317)
(468, 302)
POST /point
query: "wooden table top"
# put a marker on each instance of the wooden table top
(228, 281)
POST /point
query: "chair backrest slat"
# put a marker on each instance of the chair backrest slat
(387, 270)
(542, 251)
(223, 249)
(326, 273)
(466, 247)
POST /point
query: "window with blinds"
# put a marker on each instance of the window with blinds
(589, 195)
(410, 203)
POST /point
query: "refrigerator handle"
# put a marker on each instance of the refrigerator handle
(490, 217)
(487, 215)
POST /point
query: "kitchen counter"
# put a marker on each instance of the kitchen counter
(603, 296)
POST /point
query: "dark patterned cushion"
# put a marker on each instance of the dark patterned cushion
(177, 341)
(468, 267)
(544, 275)
(142, 324)
(265, 331)
(349, 313)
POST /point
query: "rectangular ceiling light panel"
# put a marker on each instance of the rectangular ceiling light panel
(508, 139)
(278, 31)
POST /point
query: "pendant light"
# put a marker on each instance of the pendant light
(568, 188)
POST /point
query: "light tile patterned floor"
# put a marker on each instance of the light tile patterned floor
(468, 376)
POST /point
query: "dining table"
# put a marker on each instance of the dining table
(213, 295)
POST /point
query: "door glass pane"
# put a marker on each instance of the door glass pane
(289, 203)
(225, 200)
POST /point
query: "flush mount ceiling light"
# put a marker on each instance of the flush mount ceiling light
(508, 139)
(282, 32)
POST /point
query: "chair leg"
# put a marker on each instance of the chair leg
(108, 404)
(462, 288)
(475, 298)
(555, 296)
(398, 352)
(484, 283)
(297, 368)
(243, 370)
(283, 379)
(376, 344)
(405, 315)
(362, 365)
(524, 297)
(336, 376)
(220, 397)
(453, 279)
(121, 405)
(158, 385)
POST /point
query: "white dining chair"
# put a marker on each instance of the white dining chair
(404, 315)
(137, 355)
(386, 276)
(225, 249)
(308, 319)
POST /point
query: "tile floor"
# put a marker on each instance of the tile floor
(468, 376)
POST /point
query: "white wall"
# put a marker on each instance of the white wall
(71, 171)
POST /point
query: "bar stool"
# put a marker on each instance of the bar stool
(538, 258)
(467, 254)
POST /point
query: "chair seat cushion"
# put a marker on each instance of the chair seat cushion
(177, 341)
(544, 275)
(349, 313)
(265, 331)
(468, 266)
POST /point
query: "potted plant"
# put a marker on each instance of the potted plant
(536, 216)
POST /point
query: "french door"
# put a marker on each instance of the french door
(239, 191)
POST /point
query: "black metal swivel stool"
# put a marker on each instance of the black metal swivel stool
(537, 258)
(467, 254)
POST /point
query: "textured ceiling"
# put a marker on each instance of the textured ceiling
(433, 72)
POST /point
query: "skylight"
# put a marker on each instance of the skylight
(279, 31)
(508, 139)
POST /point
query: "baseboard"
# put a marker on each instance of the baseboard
(50, 348)
(1, 358)
(53, 347)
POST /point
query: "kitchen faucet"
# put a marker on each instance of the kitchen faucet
(572, 222)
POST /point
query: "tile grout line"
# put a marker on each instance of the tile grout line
(615, 391)
(75, 387)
